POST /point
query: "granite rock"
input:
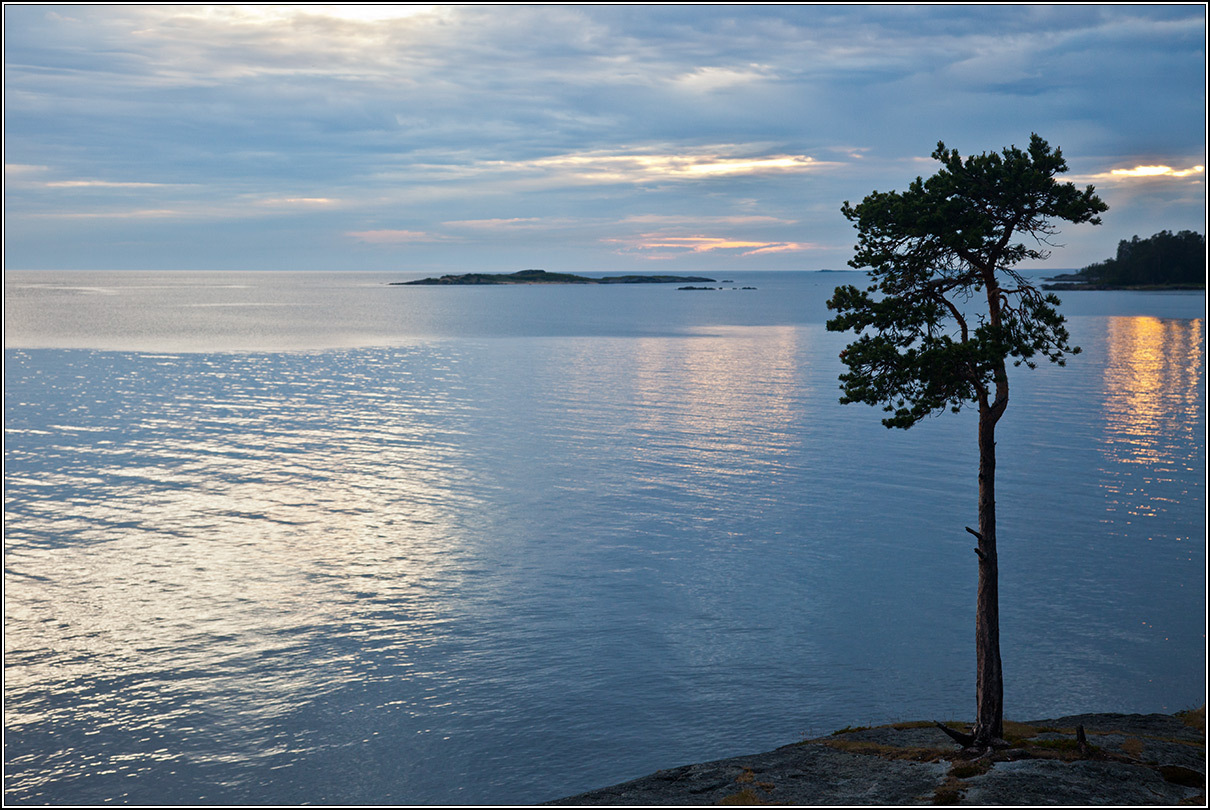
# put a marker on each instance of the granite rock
(1131, 759)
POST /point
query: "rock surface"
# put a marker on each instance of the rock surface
(1130, 759)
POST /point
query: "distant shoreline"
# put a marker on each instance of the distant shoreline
(1080, 281)
(1062, 286)
(543, 277)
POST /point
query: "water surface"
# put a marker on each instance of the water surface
(284, 538)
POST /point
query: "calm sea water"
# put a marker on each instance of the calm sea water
(285, 538)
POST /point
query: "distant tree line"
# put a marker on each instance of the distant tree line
(1163, 259)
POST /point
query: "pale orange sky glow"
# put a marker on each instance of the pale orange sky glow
(1143, 172)
(643, 167)
(1157, 171)
(705, 244)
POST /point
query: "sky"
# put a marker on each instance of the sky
(572, 138)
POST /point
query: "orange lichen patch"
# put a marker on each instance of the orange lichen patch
(1133, 746)
(913, 753)
(1014, 732)
(1194, 718)
(749, 795)
(949, 792)
(745, 796)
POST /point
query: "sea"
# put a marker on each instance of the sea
(311, 538)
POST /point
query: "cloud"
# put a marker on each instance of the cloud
(506, 224)
(396, 237)
(200, 210)
(781, 247)
(693, 219)
(458, 176)
(527, 224)
(125, 214)
(1143, 173)
(702, 244)
(1157, 171)
(355, 12)
(138, 200)
(656, 164)
(102, 184)
(21, 170)
(711, 79)
(289, 202)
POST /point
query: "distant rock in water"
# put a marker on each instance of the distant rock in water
(543, 277)
(714, 288)
(648, 279)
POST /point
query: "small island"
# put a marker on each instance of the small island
(543, 277)
(1165, 261)
(691, 287)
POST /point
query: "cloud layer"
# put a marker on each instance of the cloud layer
(576, 138)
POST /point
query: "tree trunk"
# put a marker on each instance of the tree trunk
(989, 679)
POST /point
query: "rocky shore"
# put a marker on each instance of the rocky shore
(1121, 759)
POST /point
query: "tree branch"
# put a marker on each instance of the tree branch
(965, 740)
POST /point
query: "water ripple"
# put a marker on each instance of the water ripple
(503, 570)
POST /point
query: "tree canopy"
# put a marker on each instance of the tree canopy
(1163, 259)
(930, 250)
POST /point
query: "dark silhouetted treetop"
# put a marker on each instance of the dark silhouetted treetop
(1164, 259)
(930, 250)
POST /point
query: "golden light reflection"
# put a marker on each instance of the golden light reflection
(1153, 381)
(1153, 401)
(1154, 391)
(725, 394)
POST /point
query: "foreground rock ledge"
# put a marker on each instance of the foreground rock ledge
(1129, 759)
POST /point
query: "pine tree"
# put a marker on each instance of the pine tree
(946, 313)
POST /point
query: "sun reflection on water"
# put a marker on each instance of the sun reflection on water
(199, 553)
(1154, 387)
(723, 398)
(1153, 379)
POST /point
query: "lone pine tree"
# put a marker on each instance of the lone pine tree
(947, 312)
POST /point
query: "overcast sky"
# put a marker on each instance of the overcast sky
(566, 137)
